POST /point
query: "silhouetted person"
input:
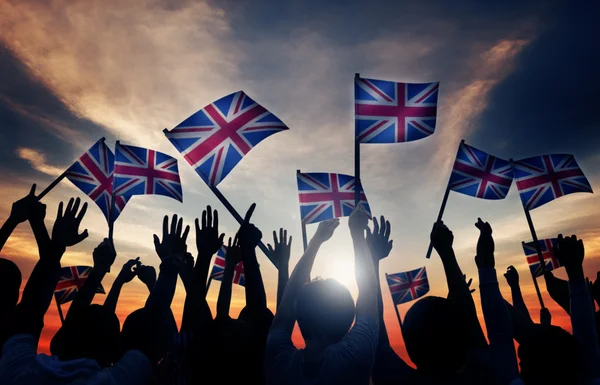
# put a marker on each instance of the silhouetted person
(10, 283)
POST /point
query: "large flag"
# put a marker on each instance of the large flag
(216, 138)
(480, 174)
(71, 280)
(92, 173)
(219, 268)
(326, 195)
(408, 286)
(140, 171)
(547, 248)
(390, 112)
(541, 179)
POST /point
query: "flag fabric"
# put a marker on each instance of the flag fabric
(218, 269)
(92, 173)
(326, 195)
(547, 248)
(480, 174)
(141, 171)
(541, 179)
(71, 280)
(408, 286)
(390, 112)
(216, 138)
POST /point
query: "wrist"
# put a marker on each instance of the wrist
(11, 221)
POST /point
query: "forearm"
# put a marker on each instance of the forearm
(559, 291)
(161, 296)
(201, 272)
(6, 230)
(113, 296)
(86, 294)
(196, 312)
(256, 297)
(282, 280)
(518, 302)
(224, 300)
(384, 340)
(366, 303)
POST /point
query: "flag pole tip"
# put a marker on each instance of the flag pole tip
(356, 75)
(166, 130)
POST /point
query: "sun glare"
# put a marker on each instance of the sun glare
(343, 271)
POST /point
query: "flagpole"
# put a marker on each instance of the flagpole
(111, 212)
(303, 225)
(57, 180)
(395, 306)
(535, 284)
(60, 313)
(444, 201)
(208, 284)
(357, 187)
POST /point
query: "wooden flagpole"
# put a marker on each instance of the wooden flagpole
(111, 212)
(57, 180)
(395, 306)
(535, 284)
(357, 186)
(208, 284)
(60, 313)
(304, 239)
(443, 207)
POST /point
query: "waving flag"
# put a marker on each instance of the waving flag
(326, 195)
(541, 179)
(479, 174)
(390, 112)
(547, 248)
(71, 280)
(219, 269)
(92, 173)
(140, 171)
(216, 138)
(408, 286)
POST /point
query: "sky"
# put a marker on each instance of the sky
(517, 79)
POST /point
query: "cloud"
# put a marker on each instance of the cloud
(38, 161)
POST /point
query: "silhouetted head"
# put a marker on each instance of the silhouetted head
(435, 336)
(549, 355)
(324, 310)
(10, 282)
(92, 332)
(144, 332)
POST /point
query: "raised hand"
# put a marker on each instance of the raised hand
(233, 256)
(129, 270)
(512, 276)
(249, 235)
(545, 317)
(570, 251)
(595, 288)
(208, 239)
(379, 240)
(281, 249)
(485, 245)
(66, 227)
(358, 221)
(326, 229)
(24, 208)
(173, 242)
(469, 282)
(147, 274)
(441, 238)
(104, 255)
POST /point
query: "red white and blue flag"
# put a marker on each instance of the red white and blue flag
(547, 249)
(480, 174)
(541, 179)
(71, 280)
(325, 195)
(92, 173)
(141, 171)
(408, 286)
(390, 112)
(216, 138)
(219, 269)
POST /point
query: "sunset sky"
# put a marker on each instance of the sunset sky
(517, 79)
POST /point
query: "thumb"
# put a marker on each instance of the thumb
(82, 236)
(156, 241)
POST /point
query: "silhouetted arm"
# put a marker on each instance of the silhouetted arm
(558, 290)
(512, 278)
(21, 211)
(127, 273)
(281, 251)
(232, 258)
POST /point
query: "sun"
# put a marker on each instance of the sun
(343, 272)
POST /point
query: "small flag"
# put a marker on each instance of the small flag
(541, 179)
(140, 171)
(480, 174)
(326, 195)
(71, 280)
(219, 269)
(390, 112)
(92, 173)
(216, 138)
(408, 286)
(547, 248)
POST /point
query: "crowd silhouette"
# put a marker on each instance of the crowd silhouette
(346, 342)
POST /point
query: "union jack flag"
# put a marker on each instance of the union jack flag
(541, 179)
(71, 280)
(216, 138)
(408, 286)
(219, 268)
(547, 248)
(92, 173)
(479, 174)
(390, 112)
(326, 195)
(140, 171)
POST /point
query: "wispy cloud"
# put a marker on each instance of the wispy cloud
(38, 161)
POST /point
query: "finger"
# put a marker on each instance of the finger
(281, 238)
(388, 229)
(82, 236)
(76, 206)
(209, 216)
(179, 227)
(32, 191)
(229, 243)
(79, 217)
(249, 213)
(290, 242)
(197, 223)
(382, 223)
(275, 237)
(69, 206)
(203, 219)
(216, 220)
(375, 225)
(470, 282)
(284, 236)
(221, 238)
(60, 211)
(185, 233)
(156, 241)
(369, 234)
(236, 240)
(173, 224)
(165, 226)
(270, 248)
